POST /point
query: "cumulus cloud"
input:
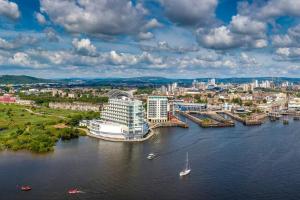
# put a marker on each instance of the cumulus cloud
(101, 17)
(5, 44)
(40, 18)
(84, 46)
(248, 60)
(165, 46)
(217, 38)
(246, 25)
(290, 39)
(22, 59)
(51, 35)
(277, 8)
(9, 9)
(190, 12)
(145, 35)
(287, 54)
(153, 23)
(18, 42)
(241, 32)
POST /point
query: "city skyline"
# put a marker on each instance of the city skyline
(169, 38)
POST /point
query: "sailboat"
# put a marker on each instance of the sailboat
(187, 168)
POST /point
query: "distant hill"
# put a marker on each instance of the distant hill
(12, 79)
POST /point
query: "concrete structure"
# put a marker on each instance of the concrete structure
(75, 106)
(157, 109)
(294, 104)
(24, 102)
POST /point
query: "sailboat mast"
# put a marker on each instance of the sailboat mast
(187, 160)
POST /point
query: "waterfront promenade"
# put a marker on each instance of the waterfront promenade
(173, 123)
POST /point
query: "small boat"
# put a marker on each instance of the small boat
(25, 188)
(74, 191)
(187, 168)
(150, 156)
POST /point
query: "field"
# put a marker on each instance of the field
(38, 129)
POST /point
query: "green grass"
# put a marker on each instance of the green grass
(22, 130)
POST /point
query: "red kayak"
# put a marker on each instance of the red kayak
(74, 191)
(25, 188)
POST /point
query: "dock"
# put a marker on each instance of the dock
(254, 121)
(174, 122)
(209, 122)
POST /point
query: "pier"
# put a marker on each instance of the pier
(213, 121)
(253, 121)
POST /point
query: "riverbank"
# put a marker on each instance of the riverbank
(36, 129)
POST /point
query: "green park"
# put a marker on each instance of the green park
(38, 129)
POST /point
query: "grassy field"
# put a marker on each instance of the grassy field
(34, 129)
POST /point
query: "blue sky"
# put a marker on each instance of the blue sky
(170, 38)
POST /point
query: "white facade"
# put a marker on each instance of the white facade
(121, 119)
(294, 104)
(108, 129)
(157, 109)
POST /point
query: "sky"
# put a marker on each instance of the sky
(168, 38)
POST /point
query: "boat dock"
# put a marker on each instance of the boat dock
(174, 122)
(210, 122)
(253, 121)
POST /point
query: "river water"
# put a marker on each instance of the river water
(261, 162)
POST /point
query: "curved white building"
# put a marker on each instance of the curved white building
(122, 118)
(108, 129)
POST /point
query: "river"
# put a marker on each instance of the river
(261, 162)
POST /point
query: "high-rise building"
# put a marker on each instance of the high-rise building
(212, 82)
(157, 109)
(122, 118)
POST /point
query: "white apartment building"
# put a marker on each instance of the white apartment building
(122, 118)
(157, 109)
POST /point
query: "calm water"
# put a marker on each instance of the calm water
(231, 163)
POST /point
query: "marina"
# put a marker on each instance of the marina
(226, 164)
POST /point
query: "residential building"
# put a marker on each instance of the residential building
(122, 118)
(7, 98)
(78, 106)
(157, 109)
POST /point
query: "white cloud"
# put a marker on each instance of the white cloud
(217, 38)
(260, 43)
(290, 39)
(9, 9)
(190, 12)
(101, 17)
(145, 35)
(247, 60)
(151, 24)
(277, 8)
(40, 18)
(165, 46)
(282, 40)
(51, 35)
(246, 25)
(5, 44)
(84, 46)
(283, 51)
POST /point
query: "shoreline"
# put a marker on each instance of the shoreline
(148, 135)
